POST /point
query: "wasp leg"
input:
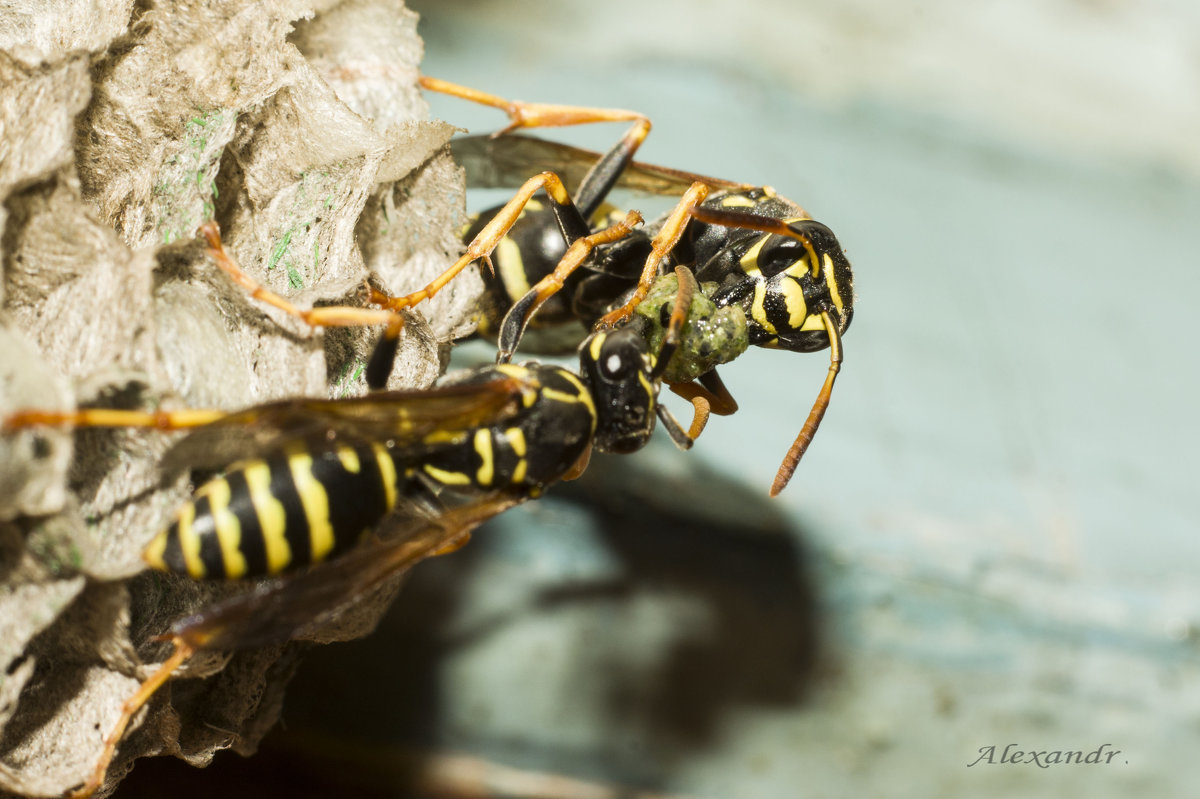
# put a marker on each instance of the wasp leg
(580, 466)
(603, 175)
(534, 115)
(664, 241)
(722, 401)
(494, 231)
(383, 356)
(330, 316)
(101, 417)
(517, 318)
(712, 390)
(796, 451)
(131, 706)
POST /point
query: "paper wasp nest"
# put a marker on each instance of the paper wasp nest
(123, 127)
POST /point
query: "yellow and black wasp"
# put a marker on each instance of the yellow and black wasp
(770, 275)
(311, 480)
(307, 480)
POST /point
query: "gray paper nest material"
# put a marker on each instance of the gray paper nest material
(123, 127)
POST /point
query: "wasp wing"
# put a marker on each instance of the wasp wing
(505, 162)
(398, 417)
(285, 608)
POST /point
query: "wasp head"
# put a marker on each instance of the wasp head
(616, 366)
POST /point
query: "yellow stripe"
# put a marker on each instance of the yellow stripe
(596, 345)
(561, 396)
(834, 294)
(511, 268)
(758, 309)
(229, 529)
(387, 473)
(447, 478)
(606, 216)
(793, 300)
(189, 542)
(528, 395)
(512, 370)
(271, 515)
(737, 201)
(154, 551)
(813, 322)
(645, 381)
(349, 459)
(483, 446)
(315, 502)
(585, 396)
(749, 261)
(444, 437)
(516, 440)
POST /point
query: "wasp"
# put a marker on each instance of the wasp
(769, 274)
(308, 483)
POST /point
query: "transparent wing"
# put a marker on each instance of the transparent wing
(401, 417)
(508, 161)
(287, 607)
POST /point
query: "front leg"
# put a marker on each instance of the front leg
(662, 245)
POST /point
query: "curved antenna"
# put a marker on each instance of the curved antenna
(796, 452)
(680, 437)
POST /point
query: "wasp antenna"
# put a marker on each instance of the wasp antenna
(792, 459)
(681, 438)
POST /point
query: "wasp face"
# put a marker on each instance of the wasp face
(785, 282)
(616, 366)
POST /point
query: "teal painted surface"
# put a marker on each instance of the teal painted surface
(993, 539)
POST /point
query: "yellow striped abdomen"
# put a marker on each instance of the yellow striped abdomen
(291, 509)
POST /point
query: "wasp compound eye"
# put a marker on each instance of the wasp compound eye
(618, 362)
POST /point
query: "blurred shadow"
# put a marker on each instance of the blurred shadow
(698, 536)
(728, 547)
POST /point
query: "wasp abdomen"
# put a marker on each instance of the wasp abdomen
(530, 450)
(291, 509)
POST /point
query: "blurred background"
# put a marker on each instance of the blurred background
(992, 541)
